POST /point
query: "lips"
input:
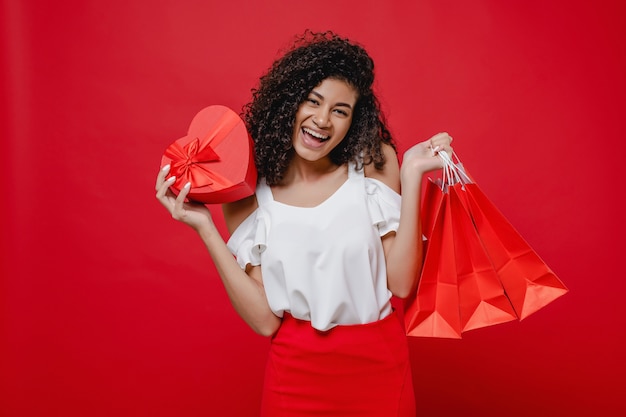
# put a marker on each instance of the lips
(313, 135)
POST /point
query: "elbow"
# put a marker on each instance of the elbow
(265, 331)
(403, 282)
(267, 328)
(402, 292)
(404, 288)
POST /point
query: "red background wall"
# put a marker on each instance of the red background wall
(110, 308)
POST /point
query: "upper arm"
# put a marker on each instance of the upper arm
(390, 174)
(236, 212)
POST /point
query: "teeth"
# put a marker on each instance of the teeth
(315, 134)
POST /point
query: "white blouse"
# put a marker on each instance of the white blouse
(326, 263)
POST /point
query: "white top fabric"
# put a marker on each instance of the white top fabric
(326, 263)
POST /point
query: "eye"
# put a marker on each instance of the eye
(312, 100)
(341, 112)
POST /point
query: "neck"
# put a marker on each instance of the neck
(301, 170)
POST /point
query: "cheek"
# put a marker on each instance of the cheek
(303, 112)
(346, 126)
(294, 131)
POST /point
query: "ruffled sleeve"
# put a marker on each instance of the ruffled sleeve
(248, 240)
(383, 204)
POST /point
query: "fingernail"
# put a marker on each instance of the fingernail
(166, 168)
(172, 178)
(188, 185)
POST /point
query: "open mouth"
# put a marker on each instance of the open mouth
(315, 135)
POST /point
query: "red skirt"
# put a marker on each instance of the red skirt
(355, 370)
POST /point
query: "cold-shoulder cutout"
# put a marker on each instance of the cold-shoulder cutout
(390, 173)
(236, 212)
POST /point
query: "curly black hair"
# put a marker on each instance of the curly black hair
(312, 58)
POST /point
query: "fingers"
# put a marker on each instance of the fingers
(165, 188)
(179, 204)
(440, 139)
(162, 186)
(447, 149)
(161, 176)
(441, 142)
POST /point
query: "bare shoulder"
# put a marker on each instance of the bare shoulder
(236, 212)
(390, 174)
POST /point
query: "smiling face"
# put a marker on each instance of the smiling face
(323, 119)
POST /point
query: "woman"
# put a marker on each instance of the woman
(326, 240)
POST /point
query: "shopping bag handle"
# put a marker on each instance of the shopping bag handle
(452, 172)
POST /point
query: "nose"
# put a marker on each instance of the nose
(321, 119)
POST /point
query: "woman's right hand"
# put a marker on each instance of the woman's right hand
(195, 215)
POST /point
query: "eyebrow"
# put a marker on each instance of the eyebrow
(336, 104)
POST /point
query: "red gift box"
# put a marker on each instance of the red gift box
(216, 157)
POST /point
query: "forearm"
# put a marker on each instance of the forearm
(246, 293)
(404, 253)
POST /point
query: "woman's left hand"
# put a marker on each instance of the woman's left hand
(422, 157)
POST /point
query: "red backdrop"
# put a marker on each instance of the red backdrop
(110, 308)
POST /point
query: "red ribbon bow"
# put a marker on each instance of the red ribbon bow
(191, 162)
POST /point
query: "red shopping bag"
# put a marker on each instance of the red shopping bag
(529, 283)
(431, 203)
(482, 299)
(433, 311)
(478, 271)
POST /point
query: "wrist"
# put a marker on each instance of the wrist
(207, 230)
(410, 172)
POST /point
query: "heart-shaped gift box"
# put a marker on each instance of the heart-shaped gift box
(216, 156)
